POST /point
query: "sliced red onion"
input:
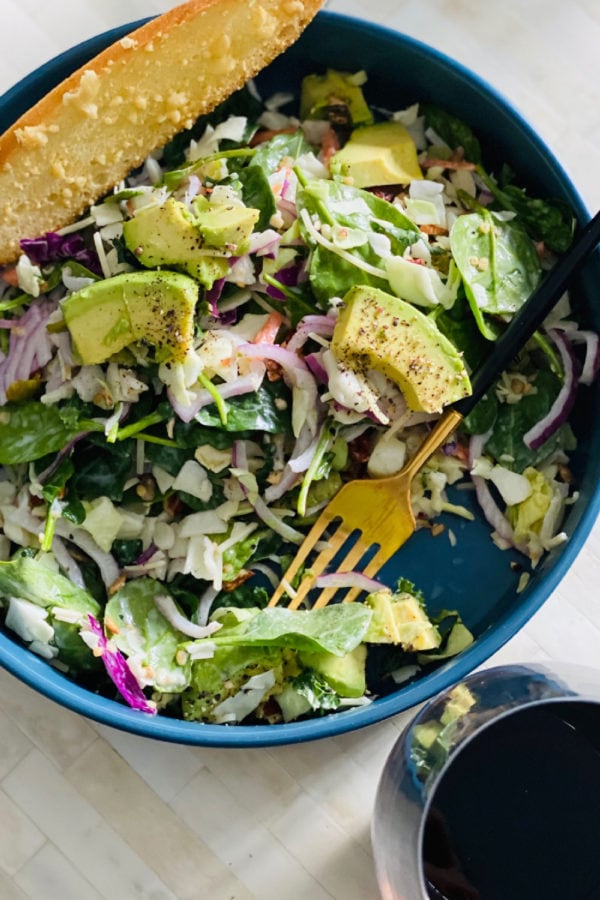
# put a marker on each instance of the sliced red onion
(264, 243)
(298, 376)
(239, 457)
(492, 512)
(315, 364)
(193, 185)
(119, 672)
(288, 210)
(560, 409)
(107, 565)
(490, 509)
(167, 607)
(245, 384)
(288, 480)
(240, 460)
(29, 347)
(300, 461)
(62, 340)
(269, 574)
(146, 555)
(321, 325)
(591, 362)
(213, 295)
(349, 580)
(275, 523)
(51, 469)
(75, 282)
(66, 562)
(295, 367)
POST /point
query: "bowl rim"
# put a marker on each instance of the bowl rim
(36, 673)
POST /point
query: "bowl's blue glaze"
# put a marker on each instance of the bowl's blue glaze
(473, 577)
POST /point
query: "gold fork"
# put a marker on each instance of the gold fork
(380, 509)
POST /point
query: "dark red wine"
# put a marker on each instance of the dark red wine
(517, 815)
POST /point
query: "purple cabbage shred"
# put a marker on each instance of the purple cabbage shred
(119, 672)
(52, 247)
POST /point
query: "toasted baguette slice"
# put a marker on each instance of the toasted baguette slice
(101, 122)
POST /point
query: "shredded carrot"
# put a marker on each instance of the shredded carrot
(433, 229)
(9, 275)
(266, 134)
(268, 333)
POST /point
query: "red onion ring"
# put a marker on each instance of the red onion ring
(560, 409)
(349, 580)
(591, 361)
(490, 509)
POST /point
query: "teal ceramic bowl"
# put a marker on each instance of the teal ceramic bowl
(473, 577)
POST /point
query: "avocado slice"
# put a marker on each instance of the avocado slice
(225, 226)
(376, 330)
(345, 674)
(154, 307)
(168, 236)
(333, 89)
(377, 155)
(400, 619)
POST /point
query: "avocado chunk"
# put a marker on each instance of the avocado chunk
(333, 89)
(345, 674)
(167, 236)
(376, 330)
(400, 619)
(377, 155)
(225, 226)
(154, 307)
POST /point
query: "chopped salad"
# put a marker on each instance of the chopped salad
(175, 408)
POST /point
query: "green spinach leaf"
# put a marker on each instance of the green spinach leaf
(483, 415)
(269, 154)
(257, 194)
(551, 220)
(101, 469)
(513, 420)
(259, 411)
(452, 130)
(367, 218)
(31, 430)
(498, 264)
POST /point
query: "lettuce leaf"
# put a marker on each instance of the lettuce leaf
(31, 580)
(336, 629)
(145, 636)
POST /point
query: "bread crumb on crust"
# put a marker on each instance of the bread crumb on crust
(103, 121)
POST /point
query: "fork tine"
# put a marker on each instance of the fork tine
(307, 546)
(378, 561)
(347, 565)
(334, 543)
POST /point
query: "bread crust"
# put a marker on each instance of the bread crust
(102, 121)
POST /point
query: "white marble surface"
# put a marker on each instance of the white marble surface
(89, 813)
